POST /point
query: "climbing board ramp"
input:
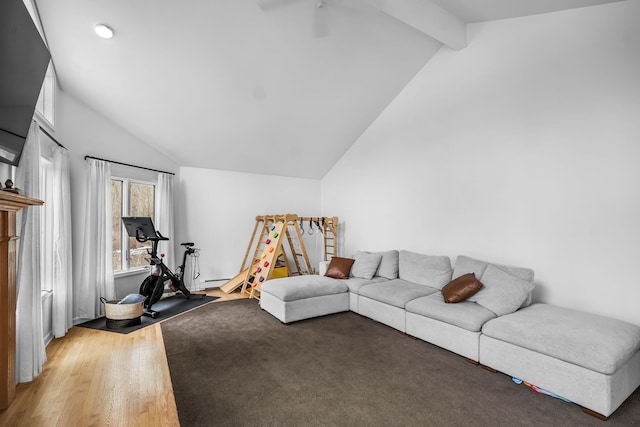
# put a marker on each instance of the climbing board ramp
(268, 250)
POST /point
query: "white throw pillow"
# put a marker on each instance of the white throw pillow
(502, 293)
(366, 265)
(388, 265)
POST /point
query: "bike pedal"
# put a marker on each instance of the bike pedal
(151, 313)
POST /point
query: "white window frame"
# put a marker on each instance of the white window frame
(124, 237)
(46, 104)
(46, 224)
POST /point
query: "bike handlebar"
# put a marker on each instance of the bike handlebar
(142, 238)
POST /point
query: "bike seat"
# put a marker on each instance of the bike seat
(187, 244)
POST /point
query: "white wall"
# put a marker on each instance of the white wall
(215, 209)
(218, 211)
(85, 132)
(522, 149)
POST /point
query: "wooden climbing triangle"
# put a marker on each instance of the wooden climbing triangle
(269, 253)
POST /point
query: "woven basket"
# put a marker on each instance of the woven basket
(121, 315)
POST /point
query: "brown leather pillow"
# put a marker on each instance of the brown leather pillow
(461, 288)
(339, 268)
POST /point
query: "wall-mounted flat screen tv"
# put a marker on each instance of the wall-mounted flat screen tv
(23, 64)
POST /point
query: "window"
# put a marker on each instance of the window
(45, 104)
(130, 198)
(46, 223)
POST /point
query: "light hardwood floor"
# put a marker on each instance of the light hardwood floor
(97, 378)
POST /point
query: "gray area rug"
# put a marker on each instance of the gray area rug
(233, 364)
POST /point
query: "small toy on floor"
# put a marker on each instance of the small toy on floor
(539, 389)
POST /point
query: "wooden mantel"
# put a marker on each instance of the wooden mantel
(10, 203)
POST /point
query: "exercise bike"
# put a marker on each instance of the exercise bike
(161, 276)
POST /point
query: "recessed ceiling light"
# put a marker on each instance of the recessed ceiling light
(104, 31)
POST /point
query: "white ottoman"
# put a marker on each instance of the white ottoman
(301, 297)
(591, 360)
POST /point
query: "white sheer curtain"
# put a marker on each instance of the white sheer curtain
(95, 277)
(164, 216)
(62, 283)
(30, 348)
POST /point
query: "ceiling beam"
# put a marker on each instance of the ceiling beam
(431, 19)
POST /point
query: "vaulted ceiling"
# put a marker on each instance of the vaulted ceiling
(280, 87)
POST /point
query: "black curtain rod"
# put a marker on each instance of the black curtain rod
(127, 164)
(43, 130)
(52, 138)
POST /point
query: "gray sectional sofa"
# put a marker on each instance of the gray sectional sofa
(590, 360)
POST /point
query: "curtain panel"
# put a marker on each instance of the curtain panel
(30, 348)
(95, 278)
(164, 216)
(61, 280)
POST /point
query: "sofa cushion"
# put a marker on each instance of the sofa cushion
(595, 342)
(395, 292)
(428, 270)
(366, 264)
(301, 287)
(465, 314)
(461, 288)
(465, 264)
(355, 283)
(388, 265)
(502, 293)
(339, 268)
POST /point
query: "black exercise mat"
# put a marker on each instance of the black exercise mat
(167, 307)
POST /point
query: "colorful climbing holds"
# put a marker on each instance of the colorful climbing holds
(261, 279)
(275, 235)
(271, 249)
(266, 264)
(273, 227)
(258, 270)
(264, 255)
(268, 241)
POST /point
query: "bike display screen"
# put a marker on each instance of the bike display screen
(140, 224)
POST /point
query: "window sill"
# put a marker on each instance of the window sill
(144, 270)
